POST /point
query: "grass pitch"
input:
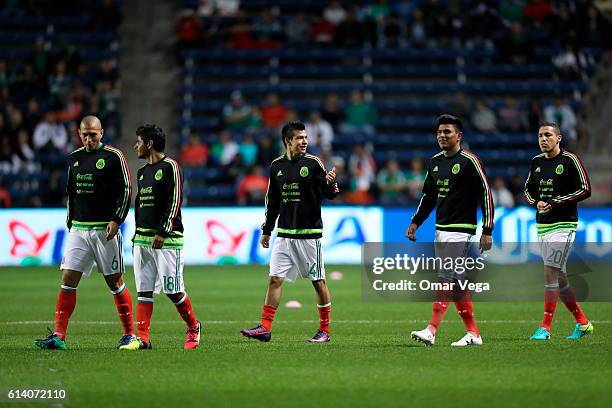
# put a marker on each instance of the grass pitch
(371, 360)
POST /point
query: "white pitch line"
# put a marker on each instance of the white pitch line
(103, 322)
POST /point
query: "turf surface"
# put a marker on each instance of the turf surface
(371, 360)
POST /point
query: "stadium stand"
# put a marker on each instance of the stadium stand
(57, 64)
(492, 63)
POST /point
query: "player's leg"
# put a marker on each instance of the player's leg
(171, 263)
(309, 258)
(554, 247)
(109, 259)
(146, 279)
(78, 260)
(281, 268)
(568, 296)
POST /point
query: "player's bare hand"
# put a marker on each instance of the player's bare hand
(331, 176)
(111, 230)
(411, 231)
(486, 241)
(158, 242)
(543, 207)
(265, 241)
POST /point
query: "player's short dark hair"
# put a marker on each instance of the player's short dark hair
(552, 125)
(152, 132)
(447, 119)
(289, 128)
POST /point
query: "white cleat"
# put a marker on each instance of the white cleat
(424, 336)
(468, 340)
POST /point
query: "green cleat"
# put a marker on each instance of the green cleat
(541, 334)
(51, 342)
(580, 331)
(129, 342)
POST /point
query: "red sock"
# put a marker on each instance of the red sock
(123, 301)
(465, 308)
(66, 301)
(324, 317)
(144, 311)
(186, 311)
(551, 295)
(568, 296)
(267, 317)
(438, 310)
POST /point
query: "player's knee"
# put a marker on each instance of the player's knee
(176, 297)
(71, 278)
(275, 281)
(114, 282)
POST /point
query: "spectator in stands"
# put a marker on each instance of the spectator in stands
(415, 178)
(391, 184)
(350, 32)
(359, 115)
(268, 30)
(502, 197)
(570, 63)
(483, 118)
(511, 118)
(33, 115)
(334, 13)
(194, 152)
(332, 111)
(59, 81)
(6, 156)
(511, 11)
(40, 58)
(253, 187)
(241, 33)
(50, 136)
(563, 115)
(224, 8)
(538, 11)
(273, 113)
(418, 29)
(7, 78)
(362, 170)
(378, 10)
(5, 196)
(514, 45)
(322, 32)
(404, 9)
(266, 151)
(236, 169)
(297, 30)
(320, 132)
(24, 158)
(188, 29)
(394, 32)
(248, 150)
(517, 188)
(534, 115)
(237, 113)
(224, 151)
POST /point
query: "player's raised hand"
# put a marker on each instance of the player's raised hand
(411, 231)
(486, 241)
(158, 242)
(331, 175)
(111, 230)
(265, 241)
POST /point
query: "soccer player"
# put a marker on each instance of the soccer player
(557, 181)
(158, 243)
(298, 182)
(455, 183)
(99, 192)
